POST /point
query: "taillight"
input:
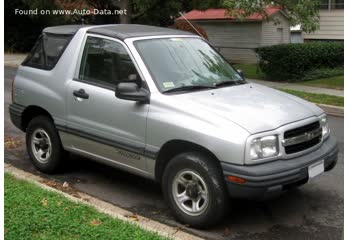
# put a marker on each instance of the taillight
(13, 81)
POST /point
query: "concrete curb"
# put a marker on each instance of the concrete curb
(107, 208)
(332, 110)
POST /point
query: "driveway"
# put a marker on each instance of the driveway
(314, 211)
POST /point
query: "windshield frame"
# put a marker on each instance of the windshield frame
(156, 83)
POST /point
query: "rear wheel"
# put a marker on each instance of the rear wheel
(193, 187)
(44, 145)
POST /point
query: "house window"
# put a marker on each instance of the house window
(337, 4)
(324, 4)
(332, 4)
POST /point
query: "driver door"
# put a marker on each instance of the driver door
(101, 125)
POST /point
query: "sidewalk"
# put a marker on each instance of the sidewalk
(294, 86)
(13, 60)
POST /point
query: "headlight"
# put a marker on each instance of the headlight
(324, 125)
(264, 147)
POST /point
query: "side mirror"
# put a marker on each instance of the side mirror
(240, 72)
(131, 91)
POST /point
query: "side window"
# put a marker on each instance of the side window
(37, 56)
(47, 51)
(105, 62)
(53, 48)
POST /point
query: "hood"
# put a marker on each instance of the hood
(254, 107)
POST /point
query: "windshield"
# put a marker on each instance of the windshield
(185, 62)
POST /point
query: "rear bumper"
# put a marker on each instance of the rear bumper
(16, 112)
(271, 179)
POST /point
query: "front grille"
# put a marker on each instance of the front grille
(304, 137)
(301, 130)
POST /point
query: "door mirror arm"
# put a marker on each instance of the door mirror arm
(240, 72)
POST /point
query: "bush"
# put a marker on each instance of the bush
(290, 62)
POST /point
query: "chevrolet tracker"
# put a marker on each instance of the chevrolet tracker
(165, 105)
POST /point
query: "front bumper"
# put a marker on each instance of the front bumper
(271, 179)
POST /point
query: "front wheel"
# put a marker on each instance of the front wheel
(194, 188)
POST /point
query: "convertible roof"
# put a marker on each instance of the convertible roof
(64, 29)
(120, 31)
(123, 31)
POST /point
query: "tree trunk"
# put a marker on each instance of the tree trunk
(124, 4)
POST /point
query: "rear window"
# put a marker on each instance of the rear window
(47, 51)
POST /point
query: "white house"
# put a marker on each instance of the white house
(331, 22)
(235, 38)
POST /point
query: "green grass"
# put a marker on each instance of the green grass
(317, 98)
(332, 82)
(250, 71)
(34, 213)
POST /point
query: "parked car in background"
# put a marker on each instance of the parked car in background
(163, 104)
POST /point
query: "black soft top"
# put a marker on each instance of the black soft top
(64, 29)
(123, 31)
(119, 31)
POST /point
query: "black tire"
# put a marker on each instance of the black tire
(55, 159)
(210, 171)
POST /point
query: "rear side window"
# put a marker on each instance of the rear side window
(47, 51)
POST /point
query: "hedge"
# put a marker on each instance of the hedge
(291, 62)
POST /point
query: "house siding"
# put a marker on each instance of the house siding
(270, 35)
(331, 26)
(236, 41)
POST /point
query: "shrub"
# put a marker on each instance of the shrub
(185, 26)
(292, 61)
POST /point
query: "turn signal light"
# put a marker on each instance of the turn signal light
(236, 179)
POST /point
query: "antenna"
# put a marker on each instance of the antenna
(191, 25)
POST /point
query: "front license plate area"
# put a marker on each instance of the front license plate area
(316, 169)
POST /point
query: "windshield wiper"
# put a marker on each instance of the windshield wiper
(189, 88)
(230, 82)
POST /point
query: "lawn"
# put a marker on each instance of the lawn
(34, 213)
(251, 71)
(332, 82)
(317, 98)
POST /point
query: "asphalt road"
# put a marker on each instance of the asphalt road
(314, 211)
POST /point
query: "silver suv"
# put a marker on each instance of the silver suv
(165, 105)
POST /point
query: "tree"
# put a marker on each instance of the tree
(21, 30)
(163, 12)
(303, 12)
(153, 12)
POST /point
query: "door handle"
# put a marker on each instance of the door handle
(81, 94)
